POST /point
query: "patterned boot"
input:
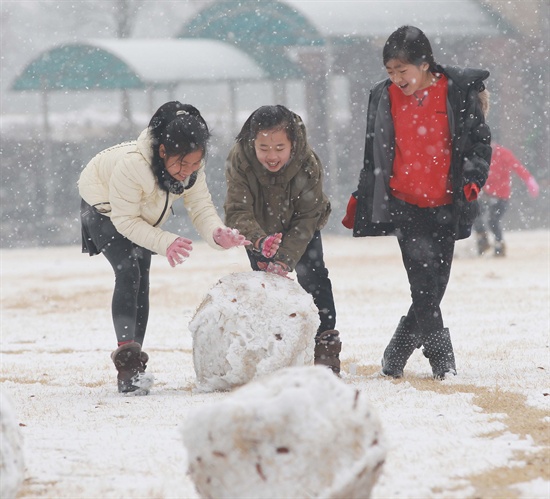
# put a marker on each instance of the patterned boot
(327, 350)
(438, 349)
(130, 363)
(399, 349)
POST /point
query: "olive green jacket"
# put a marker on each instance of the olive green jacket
(290, 201)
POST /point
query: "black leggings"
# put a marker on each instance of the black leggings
(131, 265)
(427, 243)
(313, 277)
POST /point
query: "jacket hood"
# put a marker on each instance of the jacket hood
(144, 145)
(299, 153)
(464, 77)
(165, 181)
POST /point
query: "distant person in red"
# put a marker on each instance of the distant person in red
(495, 197)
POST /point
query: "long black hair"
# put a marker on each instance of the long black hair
(182, 130)
(268, 118)
(410, 45)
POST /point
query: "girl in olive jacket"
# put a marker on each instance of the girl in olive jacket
(127, 194)
(275, 199)
(427, 155)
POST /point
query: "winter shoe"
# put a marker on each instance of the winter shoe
(144, 359)
(399, 349)
(439, 351)
(130, 363)
(500, 249)
(327, 350)
(482, 243)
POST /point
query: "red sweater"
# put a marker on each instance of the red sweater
(422, 146)
(503, 163)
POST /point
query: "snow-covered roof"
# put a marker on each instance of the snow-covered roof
(169, 60)
(250, 23)
(367, 18)
(264, 29)
(136, 63)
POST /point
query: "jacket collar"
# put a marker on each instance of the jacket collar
(300, 151)
(144, 145)
(464, 77)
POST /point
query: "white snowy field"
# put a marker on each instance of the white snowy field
(484, 433)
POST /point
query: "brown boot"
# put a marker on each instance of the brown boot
(144, 359)
(327, 350)
(130, 363)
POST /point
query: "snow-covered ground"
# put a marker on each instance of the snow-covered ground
(484, 433)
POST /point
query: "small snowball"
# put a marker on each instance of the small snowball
(251, 324)
(300, 432)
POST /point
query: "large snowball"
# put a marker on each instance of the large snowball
(12, 467)
(300, 432)
(251, 324)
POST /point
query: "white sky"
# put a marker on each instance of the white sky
(83, 440)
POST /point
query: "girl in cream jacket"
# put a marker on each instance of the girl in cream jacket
(127, 193)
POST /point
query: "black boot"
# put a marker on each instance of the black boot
(500, 248)
(327, 350)
(399, 349)
(439, 351)
(130, 363)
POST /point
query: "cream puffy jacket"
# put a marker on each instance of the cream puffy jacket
(120, 181)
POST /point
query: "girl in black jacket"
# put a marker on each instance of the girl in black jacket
(427, 155)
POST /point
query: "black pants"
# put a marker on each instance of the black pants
(426, 240)
(313, 277)
(131, 265)
(493, 210)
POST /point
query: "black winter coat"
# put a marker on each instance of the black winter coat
(470, 158)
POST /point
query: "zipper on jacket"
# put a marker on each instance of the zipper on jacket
(164, 210)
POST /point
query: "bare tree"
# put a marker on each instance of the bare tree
(125, 14)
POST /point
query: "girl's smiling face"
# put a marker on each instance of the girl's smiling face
(273, 148)
(408, 77)
(181, 167)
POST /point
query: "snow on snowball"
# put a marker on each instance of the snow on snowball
(12, 466)
(251, 324)
(299, 432)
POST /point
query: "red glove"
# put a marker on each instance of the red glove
(471, 191)
(349, 219)
(269, 245)
(278, 268)
(178, 251)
